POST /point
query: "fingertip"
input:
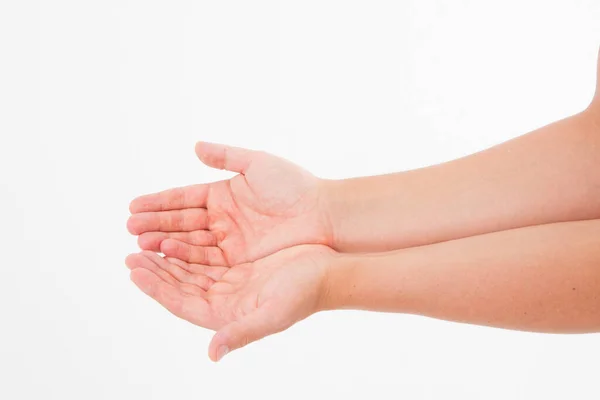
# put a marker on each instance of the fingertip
(218, 348)
(198, 146)
(142, 242)
(133, 206)
(168, 246)
(172, 248)
(136, 275)
(133, 274)
(137, 260)
(211, 154)
(200, 149)
(131, 261)
(212, 354)
(149, 241)
(132, 225)
(142, 278)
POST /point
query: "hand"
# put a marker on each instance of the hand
(243, 303)
(272, 204)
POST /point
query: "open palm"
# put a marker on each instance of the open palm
(270, 205)
(243, 303)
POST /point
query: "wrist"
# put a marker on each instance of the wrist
(387, 282)
(349, 207)
(341, 290)
(327, 202)
(335, 204)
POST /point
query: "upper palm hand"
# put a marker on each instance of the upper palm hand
(272, 204)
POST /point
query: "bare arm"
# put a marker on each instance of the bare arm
(543, 278)
(549, 175)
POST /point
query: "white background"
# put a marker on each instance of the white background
(101, 101)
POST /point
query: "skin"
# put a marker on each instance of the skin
(243, 303)
(543, 278)
(508, 237)
(546, 176)
(271, 204)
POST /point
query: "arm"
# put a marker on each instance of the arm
(543, 278)
(549, 175)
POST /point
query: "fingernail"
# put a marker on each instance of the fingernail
(222, 351)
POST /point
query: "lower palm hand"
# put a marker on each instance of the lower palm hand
(272, 204)
(243, 303)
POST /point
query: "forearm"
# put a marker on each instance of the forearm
(549, 175)
(543, 278)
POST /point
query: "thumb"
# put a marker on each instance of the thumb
(221, 156)
(238, 334)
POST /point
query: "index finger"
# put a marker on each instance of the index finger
(193, 196)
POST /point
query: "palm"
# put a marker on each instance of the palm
(272, 204)
(245, 302)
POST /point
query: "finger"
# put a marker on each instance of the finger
(188, 220)
(184, 276)
(173, 199)
(191, 308)
(240, 333)
(152, 240)
(207, 255)
(221, 156)
(183, 282)
(138, 260)
(153, 262)
(214, 273)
